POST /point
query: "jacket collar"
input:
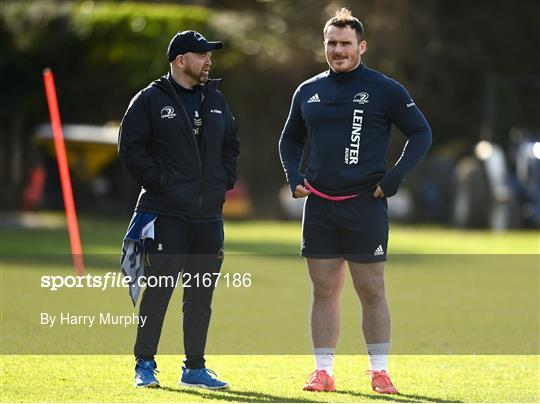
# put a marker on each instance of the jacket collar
(352, 73)
(164, 83)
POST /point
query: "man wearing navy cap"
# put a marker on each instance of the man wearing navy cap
(179, 140)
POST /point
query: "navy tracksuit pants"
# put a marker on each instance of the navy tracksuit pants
(190, 249)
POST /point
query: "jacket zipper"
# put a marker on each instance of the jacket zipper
(203, 117)
(198, 152)
(186, 117)
(192, 136)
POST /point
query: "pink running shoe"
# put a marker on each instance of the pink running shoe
(381, 383)
(319, 380)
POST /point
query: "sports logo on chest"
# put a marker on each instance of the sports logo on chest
(314, 98)
(361, 98)
(167, 112)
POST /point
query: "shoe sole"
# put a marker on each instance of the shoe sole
(318, 391)
(385, 392)
(152, 385)
(203, 386)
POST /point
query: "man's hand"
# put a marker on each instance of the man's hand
(301, 191)
(378, 193)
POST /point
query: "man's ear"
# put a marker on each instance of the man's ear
(179, 60)
(362, 46)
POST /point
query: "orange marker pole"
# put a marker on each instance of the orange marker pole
(65, 179)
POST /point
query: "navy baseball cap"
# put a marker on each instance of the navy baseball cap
(190, 41)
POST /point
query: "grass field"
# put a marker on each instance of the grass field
(273, 378)
(455, 313)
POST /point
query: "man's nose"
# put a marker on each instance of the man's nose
(339, 49)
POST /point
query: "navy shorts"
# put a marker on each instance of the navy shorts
(355, 229)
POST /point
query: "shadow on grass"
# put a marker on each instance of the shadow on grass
(246, 396)
(235, 395)
(399, 398)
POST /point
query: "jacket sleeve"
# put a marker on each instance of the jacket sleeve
(291, 144)
(134, 141)
(408, 118)
(231, 148)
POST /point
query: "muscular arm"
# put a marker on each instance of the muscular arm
(291, 145)
(411, 122)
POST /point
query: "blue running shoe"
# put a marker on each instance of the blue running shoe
(145, 374)
(205, 378)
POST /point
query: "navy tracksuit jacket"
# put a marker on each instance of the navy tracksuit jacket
(345, 119)
(157, 146)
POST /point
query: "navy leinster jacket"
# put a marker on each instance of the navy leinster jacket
(157, 146)
(345, 119)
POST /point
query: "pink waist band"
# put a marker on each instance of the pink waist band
(329, 197)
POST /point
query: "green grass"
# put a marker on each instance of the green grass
(273, 379)
(455, 313)
(102, 235)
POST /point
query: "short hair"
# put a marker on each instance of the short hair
(344, 18)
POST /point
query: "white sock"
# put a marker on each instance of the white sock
(378, 355)
(324, 359)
